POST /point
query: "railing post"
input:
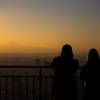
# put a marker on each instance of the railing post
(13, 88)
(6, 88)
(40, 81)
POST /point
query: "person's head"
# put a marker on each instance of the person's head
(93, 56)
(66, 47)
(67, 51)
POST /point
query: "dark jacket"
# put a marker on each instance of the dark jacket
(90, 73)
(65, 68)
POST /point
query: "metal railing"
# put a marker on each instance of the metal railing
(21, 86)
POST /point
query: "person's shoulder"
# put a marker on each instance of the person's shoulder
(75, 60)
(56, 58)
(54, 62)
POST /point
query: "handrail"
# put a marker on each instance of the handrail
(40, 73)
(22, 66)
(26, 66)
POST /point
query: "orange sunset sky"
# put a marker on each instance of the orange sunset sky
(50, 24)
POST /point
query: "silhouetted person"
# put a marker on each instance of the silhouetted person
(90, 73)
(65, 67)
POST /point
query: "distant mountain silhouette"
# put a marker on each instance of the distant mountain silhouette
(13, 43)
(14, 47)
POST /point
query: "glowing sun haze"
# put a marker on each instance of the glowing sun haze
(51, 23)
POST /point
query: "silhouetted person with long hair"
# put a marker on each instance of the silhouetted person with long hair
(90, 73)
(65, 67)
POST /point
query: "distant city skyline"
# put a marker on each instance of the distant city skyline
(33, 59)
(50, 24)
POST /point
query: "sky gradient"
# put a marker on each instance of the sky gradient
(51, 23)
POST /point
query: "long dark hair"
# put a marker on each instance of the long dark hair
(92, 57)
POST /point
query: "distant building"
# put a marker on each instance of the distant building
(17, 59)
(46, 63)
(37, 62)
